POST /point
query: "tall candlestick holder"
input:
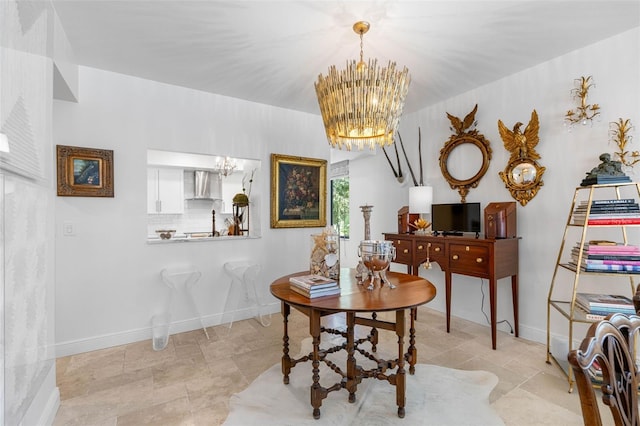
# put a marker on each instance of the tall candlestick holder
(361, 270)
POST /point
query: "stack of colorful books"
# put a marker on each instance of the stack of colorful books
(607, 256)
(597, 306)
(314, 285)
(625, 211)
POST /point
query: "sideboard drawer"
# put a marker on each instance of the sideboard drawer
(469, 259)
(404, 251)
(437, 253)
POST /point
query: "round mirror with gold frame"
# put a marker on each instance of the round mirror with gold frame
(523, 178)
(457, 146)
(462, 183)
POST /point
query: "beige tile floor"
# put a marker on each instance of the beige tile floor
(191, 380)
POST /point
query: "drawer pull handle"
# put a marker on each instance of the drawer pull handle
(420, 247)
(437, 249)
(455, 257)
(466, 248)
(479, 260)
(405, 251)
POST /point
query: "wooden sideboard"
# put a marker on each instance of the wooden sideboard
(492, 259)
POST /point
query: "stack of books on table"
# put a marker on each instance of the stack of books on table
(314, 286)
(608, 256)
(597, 306)
(624, 211)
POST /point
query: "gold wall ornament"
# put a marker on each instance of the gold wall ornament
(523, 175)
(460, 138)
(584, 113)
(362, 104)
(619, 133)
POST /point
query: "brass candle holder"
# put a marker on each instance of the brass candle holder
(619, 133)
(584, 113)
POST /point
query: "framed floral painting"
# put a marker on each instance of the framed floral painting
(298, 192)
(84, 172)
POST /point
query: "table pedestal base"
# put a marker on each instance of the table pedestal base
(393, 371)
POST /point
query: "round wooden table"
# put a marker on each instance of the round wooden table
(410, 292)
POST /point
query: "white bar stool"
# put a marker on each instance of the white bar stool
(244, 285)
(177, 278)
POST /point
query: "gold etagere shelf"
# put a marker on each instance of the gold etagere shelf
(568, 307)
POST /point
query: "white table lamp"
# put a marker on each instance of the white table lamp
(420, 199)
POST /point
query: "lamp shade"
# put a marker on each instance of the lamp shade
(420, 199)
(4, 143)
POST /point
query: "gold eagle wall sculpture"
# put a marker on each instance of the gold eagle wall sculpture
(523, 175)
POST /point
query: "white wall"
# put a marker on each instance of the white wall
(108, 282)
(28, 393)
(615, 68)
(108, 277)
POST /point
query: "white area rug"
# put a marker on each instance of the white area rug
(434, 396)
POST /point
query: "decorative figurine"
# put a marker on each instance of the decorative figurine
(608, 171)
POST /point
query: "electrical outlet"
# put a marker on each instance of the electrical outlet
(67, 229)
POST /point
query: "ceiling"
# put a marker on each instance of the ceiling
(272, 52)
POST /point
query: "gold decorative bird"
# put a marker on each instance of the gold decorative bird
(521, 145)
(459, 126)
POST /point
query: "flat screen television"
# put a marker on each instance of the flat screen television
(455, 218)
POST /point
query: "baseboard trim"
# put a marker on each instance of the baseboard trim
(45, 404)
(93, 343)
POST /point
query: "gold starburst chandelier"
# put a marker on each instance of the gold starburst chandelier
(362, 104)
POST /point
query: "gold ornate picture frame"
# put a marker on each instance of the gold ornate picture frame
(298, 192)
(84, 172)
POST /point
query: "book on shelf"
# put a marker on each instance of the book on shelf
(613, 201)
(592, 300)
(607, 210)
(590, 316)
(604, 179)
(627, 205)
(590, 261)
(595, 372)
(313, 281)
(601, 214)
(594, 317)
(614, 221)
(628, 268)
(627, 257)
(571, 265)
(596, 310)
(594, 313)
(623, 257)
(612, 215)
(621, 253)
(615, 247)
(608, 202)
(312, 294)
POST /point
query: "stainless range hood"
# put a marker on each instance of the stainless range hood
(202, 182)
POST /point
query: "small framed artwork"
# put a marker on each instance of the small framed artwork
(298, 192)
(84, 172)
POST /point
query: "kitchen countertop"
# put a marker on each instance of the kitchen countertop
(184, 239)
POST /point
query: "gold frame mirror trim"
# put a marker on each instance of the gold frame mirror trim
(522, 182)
(461, 137)
(523, 175)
